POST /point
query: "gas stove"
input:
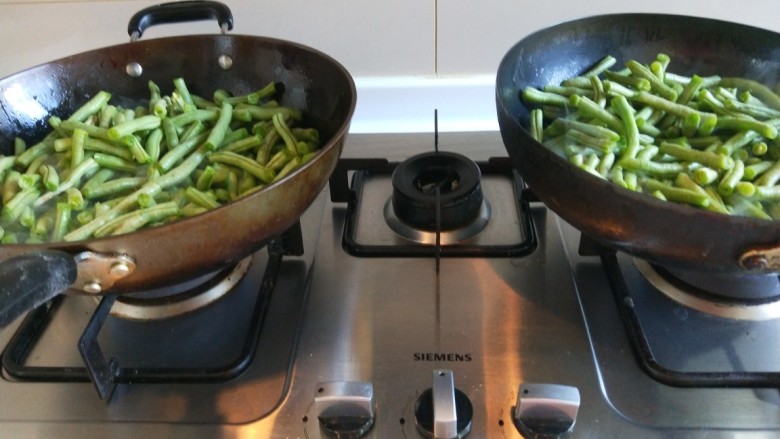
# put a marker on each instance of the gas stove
(357, 324)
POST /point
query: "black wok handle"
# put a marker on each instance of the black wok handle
(30, 280)
(177, 12)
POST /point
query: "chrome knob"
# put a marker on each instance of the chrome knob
(345, 409)
(546, 411)
(443, 412)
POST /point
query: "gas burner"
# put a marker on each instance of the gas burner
(437, 191)
(735, 297)
(171, 301)
(446, 237)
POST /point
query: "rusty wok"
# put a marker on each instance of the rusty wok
(673, 235)
(314, 83)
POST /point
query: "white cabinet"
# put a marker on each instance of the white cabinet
(408, 57)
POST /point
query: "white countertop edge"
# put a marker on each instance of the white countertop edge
(406, 104)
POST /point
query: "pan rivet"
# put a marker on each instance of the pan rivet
(225, 62)
(134, 69)
(120, 269)
(755, 262)
(92, 287)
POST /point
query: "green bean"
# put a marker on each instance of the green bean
(744, 124)
(193, 130)
(716, 202)
(232, 185)
(94, 105)
(716, 161)
(264, 151)
(42, 148)
(19, 145)
(136, 149)
(151, 214)
(206, 178)
(245, 163)
(264, 113)
(184, 119)
(181, 87)
(705, 175)
(84, 169)
(537, 96)
(175, 155)
(35, 165)
(278, 160)
(678, 194)
(170, 133)
(587, 108)
(113, 162)
(15, 206)
(97, 145)
(61, 222)
(636, 83)
(78, 140)
(760, 111)
(142, 123)
(152, 145)
(771, 176)
(731, 178)
(736, 141)
(536, 126)
(754, 170)
(51, 179)
(113, 187)
(107, 115)
(243, 145)
(11, 185)
(201, 198)
(193, 209)
(217, 133)
(289, 167)
(266, 92)
(656, 83)
(104, 151)
(763, 92)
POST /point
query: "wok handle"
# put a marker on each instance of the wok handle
(177, 12)
(33, 279)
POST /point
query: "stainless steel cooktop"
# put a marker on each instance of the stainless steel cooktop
(384, 331)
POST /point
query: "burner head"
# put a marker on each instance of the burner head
(175, 300)
(741, 297)
(414, 190)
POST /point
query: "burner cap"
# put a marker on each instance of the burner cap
(414, 190)
(166, 302)
(730, 296)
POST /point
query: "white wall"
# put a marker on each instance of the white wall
(408, 56)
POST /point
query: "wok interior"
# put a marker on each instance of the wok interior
(695, 45)
(313, 82)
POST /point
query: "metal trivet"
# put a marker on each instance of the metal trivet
(105, 373)
(639, 338)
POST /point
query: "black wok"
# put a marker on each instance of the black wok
(665, 233)
(314, 83)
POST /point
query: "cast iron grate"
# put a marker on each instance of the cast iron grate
(647, 359)
(105, 373)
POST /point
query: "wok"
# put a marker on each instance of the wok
(674, 235)
(314, 83)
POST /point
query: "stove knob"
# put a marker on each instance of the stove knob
(443, 412)
(546, 411)
(345, 409)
